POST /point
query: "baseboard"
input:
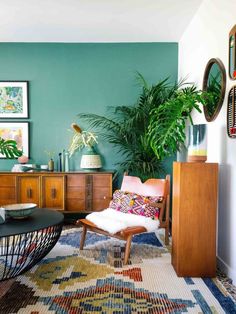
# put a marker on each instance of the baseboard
(226, 269)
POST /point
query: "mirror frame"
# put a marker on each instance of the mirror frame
(223, 86)
(232, 56)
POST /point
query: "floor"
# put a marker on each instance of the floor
(227, 282)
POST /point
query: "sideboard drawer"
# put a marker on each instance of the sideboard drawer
(7, 189)
(102, 192)
(76, 180)
(7, 180)
(7, 195)
(75, 205)
(75, 198)
(102, 180)
(75, 192)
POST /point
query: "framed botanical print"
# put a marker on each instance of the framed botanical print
(14, 99)
(18, 131)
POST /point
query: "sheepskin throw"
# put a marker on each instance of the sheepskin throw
(114, 221)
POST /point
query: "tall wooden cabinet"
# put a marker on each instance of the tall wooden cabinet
(194, 208)
(72, 192)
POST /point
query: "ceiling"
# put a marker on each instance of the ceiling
(95, 20)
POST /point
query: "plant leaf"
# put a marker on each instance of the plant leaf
(9, 148)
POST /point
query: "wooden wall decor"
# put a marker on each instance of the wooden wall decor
(232, 53)
(231, 113)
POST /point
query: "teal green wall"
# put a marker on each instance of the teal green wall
(67, 79)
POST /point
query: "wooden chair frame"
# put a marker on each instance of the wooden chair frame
(161, 186)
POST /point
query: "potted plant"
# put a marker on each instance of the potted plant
(85, 140)
(150, 130)
(127, 128)
(81, 139)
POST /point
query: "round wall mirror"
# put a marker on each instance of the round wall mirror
(214, 82)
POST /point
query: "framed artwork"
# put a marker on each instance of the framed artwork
(19, 132)
(13, 99)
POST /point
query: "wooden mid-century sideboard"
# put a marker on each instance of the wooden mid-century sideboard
(71, 192)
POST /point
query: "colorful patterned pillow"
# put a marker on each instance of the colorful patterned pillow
(121, 201)
(133, 203)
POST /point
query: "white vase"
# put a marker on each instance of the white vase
(90, 160)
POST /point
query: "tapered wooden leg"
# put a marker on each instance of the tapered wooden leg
(167, 234)
(83, 236)
(167, 227)
(127, 249)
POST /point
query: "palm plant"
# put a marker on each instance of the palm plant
(9, 148)
(127, 127)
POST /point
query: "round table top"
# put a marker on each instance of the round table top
(40, 219)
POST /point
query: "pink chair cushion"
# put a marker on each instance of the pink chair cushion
(151, 187)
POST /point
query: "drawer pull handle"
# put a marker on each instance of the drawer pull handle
(104, 197)
(53, 193)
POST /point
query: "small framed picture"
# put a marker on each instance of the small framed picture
(19, 132)
(14, 99)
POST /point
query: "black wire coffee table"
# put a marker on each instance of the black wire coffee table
(23, 243)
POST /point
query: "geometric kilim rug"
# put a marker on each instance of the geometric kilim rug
(93, 281)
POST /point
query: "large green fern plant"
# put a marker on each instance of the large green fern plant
(126, 127)
(8, 148)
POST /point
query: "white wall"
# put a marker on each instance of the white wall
(206, 37)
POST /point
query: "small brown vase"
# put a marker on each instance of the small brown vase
(51, 165)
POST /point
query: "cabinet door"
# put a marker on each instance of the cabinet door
(53, 191)
(101, 191)
(7, 189)
(75, 193)
(28, 189)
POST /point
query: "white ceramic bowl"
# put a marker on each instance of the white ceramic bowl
(20, 211)
(44, 167)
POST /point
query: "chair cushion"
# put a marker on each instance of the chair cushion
(133, 203)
